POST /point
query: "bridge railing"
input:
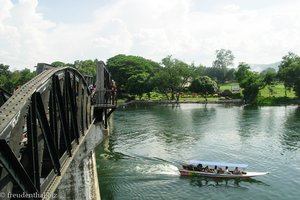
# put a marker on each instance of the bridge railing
(105, 91)
(105, 98)
(39, 126)
(105, 101)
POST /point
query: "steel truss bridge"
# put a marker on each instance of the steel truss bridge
(44, 120)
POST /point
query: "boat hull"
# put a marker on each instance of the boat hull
(184, 172)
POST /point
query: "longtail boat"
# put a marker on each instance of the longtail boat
(217, 170)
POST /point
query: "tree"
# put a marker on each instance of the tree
(242, 72)
(204, 86)
(268, 70)
(269, 78)
(250, 81)
(58, 64)
(5, 81)
(122, 67)
(230, 75)
(214, 73)
(197, 71)
(11, 80)
(224, 59)
(4, 69)
(173, 77)
(289, 72)
(139, 84)
(86, 67)
(161, 83)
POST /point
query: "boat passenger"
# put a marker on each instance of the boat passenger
(226, 170)
(216, 169)
(206, 169)
(236, 171)
(195, 168)
(220, 170)
(200, 168)
(190, 167)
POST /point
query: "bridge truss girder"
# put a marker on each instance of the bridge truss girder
(39, 126)
(4, 96)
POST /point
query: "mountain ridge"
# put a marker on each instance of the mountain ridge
(262, 67)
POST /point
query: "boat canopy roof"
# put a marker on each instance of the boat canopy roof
(219, 164)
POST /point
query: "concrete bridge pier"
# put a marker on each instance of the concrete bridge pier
(79, 180)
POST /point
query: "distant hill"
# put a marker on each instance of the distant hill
(261, 67)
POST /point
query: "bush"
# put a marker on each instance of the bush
(236, 95)
(226, 93)
(276, 101)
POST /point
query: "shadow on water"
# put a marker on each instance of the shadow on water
(203, 115)
(219, 182)
(248, 121)
(166, 122)
(290, 138)
(250, 107)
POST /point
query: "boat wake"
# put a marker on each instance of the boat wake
(152, 165)
(163, 169)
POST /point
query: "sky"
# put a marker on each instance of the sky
(256, 31)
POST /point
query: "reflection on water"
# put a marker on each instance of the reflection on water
(141, 157)
(290, 138)
(247, 123)
(201, 115)
(219, 182)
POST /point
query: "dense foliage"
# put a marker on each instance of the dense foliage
(289, 72)
(86, 67)
(12, 80)
(224, 59)
(204, 86)
(135, 75)
(172, 77)
(250, 81)
(122, 67)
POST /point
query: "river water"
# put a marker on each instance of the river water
(140, 159)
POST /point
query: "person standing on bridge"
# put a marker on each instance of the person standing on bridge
(113, 91)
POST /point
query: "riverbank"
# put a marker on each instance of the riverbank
(262, 101)
(277, 101)
(154, 102)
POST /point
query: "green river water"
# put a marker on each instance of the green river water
(141, 157)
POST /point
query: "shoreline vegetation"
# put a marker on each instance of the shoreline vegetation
(265, 101)
(154, 102)
(278, 97)
(174, 81)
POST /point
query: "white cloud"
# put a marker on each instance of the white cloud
(231, 8)
(23, 34)
(153, 29)
(5, 8)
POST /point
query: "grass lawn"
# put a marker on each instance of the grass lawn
(278, 91)
(276, 97)
(228, 86)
